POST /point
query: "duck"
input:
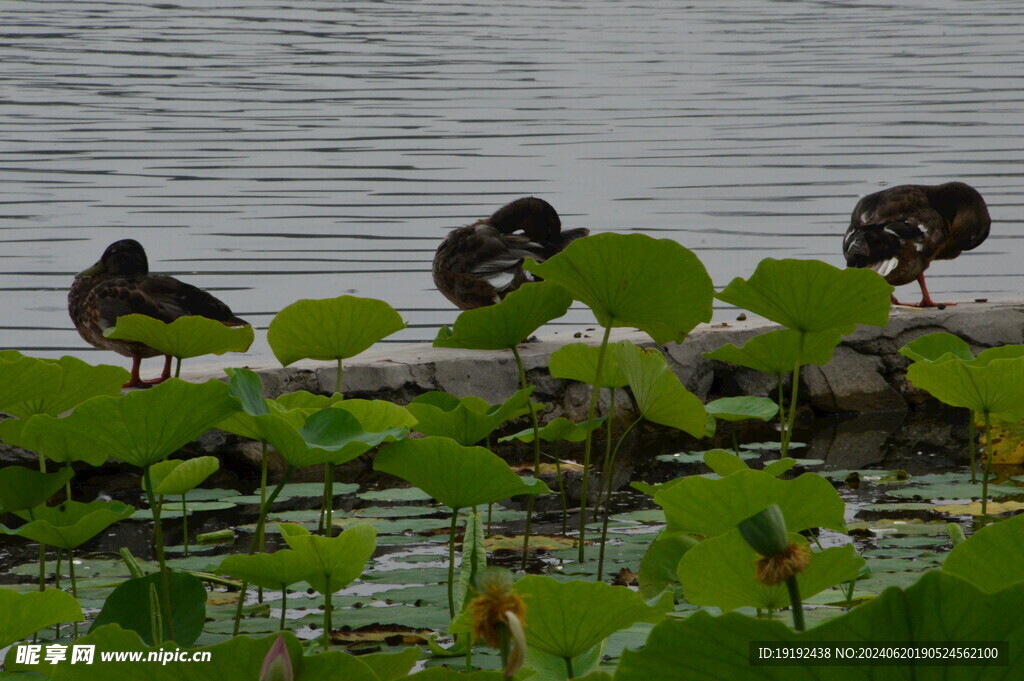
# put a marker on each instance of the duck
(899, 231)
(479, 264)
(120, 284)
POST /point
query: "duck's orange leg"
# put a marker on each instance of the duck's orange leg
(163, 375)
(926, 300)
(135, 381)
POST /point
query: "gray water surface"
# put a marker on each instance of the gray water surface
(270, 152)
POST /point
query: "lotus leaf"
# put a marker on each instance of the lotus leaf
(559, 429)
(25, 380)
(331, 564)
(939, 607)
(506, 324)
(719, 571)
(330, 329)
(566, 619)
(810, 295)
(658, 392)
(72, 523)
(630, 280)
(78, 382)
(457, 476)
(743, 408)
(710, 507)
(23, 488)
(27, 613)
(991, 558)
(178, 476)
(129, 606)
(183, 338)
(984, 384)
(467, 420)
(271, 570)
(578, 362)
(142, 427)
(776, 352)
(933, 346)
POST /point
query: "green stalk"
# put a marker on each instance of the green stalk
(329, 500)
(971, 445)
(605, 492)
(74, 584)
(328, 607)
(561, 494)
(56, 585)
(591, 411)
(284, 604)
(787, 434)
(158, 536)
(530, 498)
(503, 650)
(451, 564)
(177, 368)
(155, 628)
(568, 668)
(260, 524)
(782, 407)
(184, 522)
(988, 463)
(261, 536)
(337, 379)
(795, 603)
(608, 495)
(42, 546)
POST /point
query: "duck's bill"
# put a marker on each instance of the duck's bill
(95, 269)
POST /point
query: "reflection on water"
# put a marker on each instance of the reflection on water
(270, 151)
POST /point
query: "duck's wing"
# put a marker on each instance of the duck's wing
(162, 297)
(881, 247)
(900, 215)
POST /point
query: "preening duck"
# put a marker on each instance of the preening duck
(120, 284)
(899, 231)
(481, 263)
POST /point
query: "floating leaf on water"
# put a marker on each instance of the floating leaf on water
(974, 508)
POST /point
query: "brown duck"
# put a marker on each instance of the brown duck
(120, 284)
(899, 231)
(481, 263)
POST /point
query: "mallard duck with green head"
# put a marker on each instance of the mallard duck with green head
(120, 284)
(481, 263)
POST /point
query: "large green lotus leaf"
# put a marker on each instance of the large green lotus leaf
(26, 613)
(719, 571)
(178, 476)
(724, 462)
(330, 329)
(992, 558)
(578, 362)
(658, 392)
(246, 386)
(656, 285)
(938, 607)
(810, 295)
(377, 415)
(508, 323)
(25, 380)
(449, 674)
(72, 523)
(933, 346)
(567, 619)
(271, 570)
(711, 507)
(78, 382)
(993, 386)
(144, 426)
(391, 666)
(743, 408)
(331, 564)
(185, 337)
(776, 352)
(23, 488)
(129, 606)
(330, 435)
(238, 659)
(55, 445)
(658, 566)
(467, 420)
(559, 429)
(551, 668)
(457, 476)
(302, 399)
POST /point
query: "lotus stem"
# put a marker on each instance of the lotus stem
(261, 536)
(328, 499)
(155, 616)
(795, 603)
(568, 668)
(337, 378)
(130, 562)
(328, 606)
(42, 546)
(591, 411)
(782, 407)
(608, 495)
(158, 536)
(988, 463)
(177, 368)
(56, 585)
(451, 563)
(530, 498)
(284, 605)
(184, 522)
(972, 445)
(787, 434)
(561, 494)
(74, 585)
(260, 524)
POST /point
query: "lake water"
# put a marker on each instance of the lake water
(270, 151)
